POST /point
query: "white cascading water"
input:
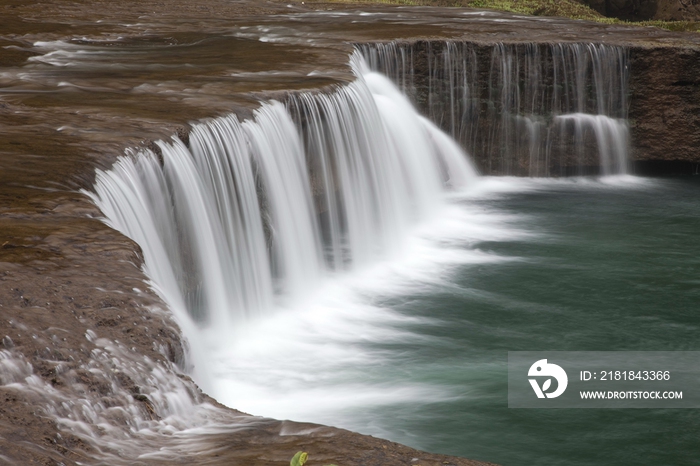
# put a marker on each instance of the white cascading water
(257, 216)
(523, 109)
(275, 241)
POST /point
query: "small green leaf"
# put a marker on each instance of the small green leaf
(299, 459)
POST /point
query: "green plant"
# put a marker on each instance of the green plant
(300, 458)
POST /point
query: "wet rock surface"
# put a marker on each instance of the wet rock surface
(665, 104)
(81, 81)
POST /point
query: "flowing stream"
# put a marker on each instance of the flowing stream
(336, 259)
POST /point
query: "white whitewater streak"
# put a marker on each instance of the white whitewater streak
(611, 135)
(508, 110)
(122, 426)
(255, 214)
(295, 237)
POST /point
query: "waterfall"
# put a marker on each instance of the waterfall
(523, 109)
(254, 214)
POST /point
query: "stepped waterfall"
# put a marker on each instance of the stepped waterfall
(250, 221)
(238, 231)
(255, 214)
(524, 109)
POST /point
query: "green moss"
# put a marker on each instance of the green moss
(563, 8)
(681, 26)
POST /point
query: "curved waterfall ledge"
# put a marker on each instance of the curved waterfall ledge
(520, 109)
(93, 361)
(250, 218)
(254, 216)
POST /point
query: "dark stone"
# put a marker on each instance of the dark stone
(183, 134)
(665, 104)
(666, 168)
(642, 10)
(155, 148)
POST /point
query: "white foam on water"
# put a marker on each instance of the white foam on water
(328, 356)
